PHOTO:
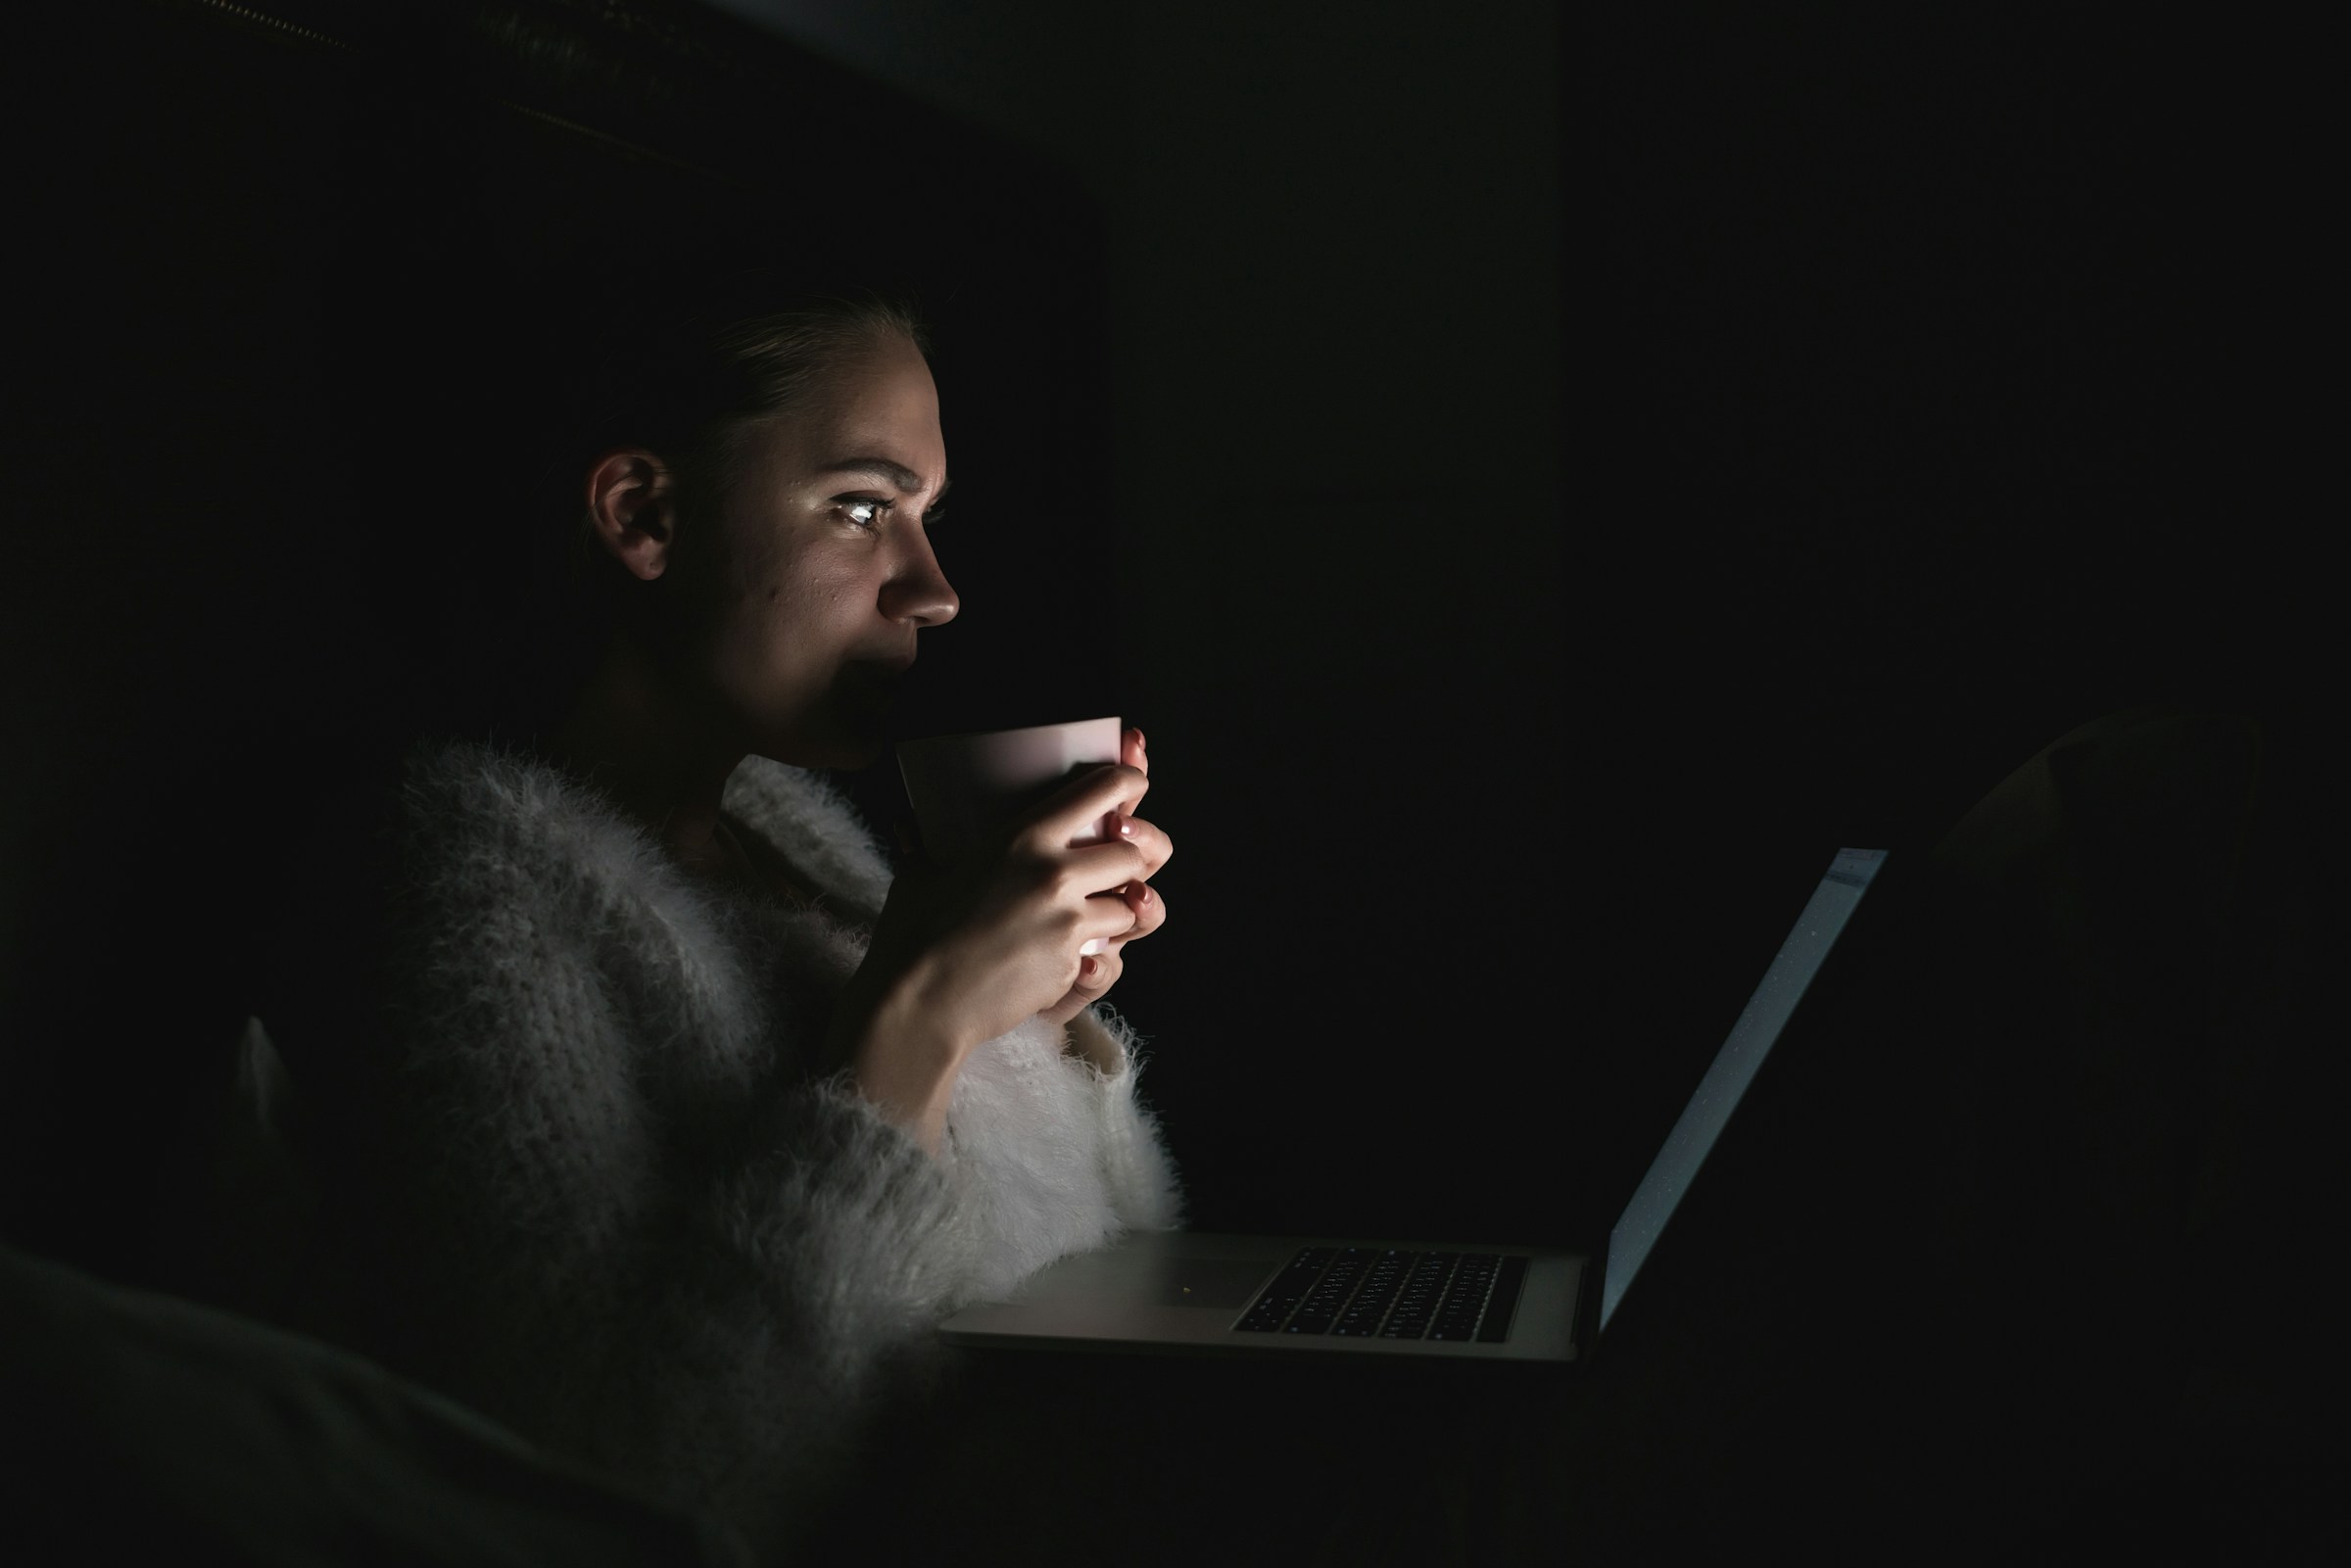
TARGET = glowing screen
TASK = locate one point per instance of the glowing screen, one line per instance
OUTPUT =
(1734, 1067)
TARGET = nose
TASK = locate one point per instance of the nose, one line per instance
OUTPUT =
(918, 592)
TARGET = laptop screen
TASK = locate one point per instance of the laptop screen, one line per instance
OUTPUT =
(1734, 1067)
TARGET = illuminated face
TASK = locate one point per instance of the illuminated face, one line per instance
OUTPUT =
(821, 573)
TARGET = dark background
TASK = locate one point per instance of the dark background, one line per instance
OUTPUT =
(1543, 478)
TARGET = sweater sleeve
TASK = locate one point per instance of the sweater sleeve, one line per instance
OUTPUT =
(586, 1190)
(1050, 1155)
(1144, 1190)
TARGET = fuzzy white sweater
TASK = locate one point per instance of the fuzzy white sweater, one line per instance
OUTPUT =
(576, 1163)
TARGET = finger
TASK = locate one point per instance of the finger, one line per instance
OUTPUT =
(1136, 776)
(1156, 847)
(1097, 872)
(1113, 916)
(1131, 753)
(1097, 974)
(1149, 909)
(1147, 912)
(1132, 919)
(1077, 808)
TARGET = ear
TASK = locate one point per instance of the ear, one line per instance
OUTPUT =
(632, 509)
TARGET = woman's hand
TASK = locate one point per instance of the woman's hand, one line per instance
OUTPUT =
(1100, 971)
(964, 953)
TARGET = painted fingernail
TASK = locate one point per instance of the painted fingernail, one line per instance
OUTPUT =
(1089, 967)
(1125, 827)
(1148, 894)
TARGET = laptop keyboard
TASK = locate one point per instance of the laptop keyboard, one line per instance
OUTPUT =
(1390, 1294)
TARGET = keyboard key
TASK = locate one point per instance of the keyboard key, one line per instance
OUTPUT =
(1391, 1292)
(1288, 1290)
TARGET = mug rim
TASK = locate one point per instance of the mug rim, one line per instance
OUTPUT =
(1026, 729)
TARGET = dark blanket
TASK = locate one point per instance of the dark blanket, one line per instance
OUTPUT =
(138, 1427)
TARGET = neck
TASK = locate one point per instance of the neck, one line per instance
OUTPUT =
(631, 734)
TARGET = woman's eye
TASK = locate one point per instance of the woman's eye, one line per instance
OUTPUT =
(865, 511)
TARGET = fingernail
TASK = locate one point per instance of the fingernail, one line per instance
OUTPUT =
(1125, 827)
(1088, 969)
(1148, 894)
(1139, 745)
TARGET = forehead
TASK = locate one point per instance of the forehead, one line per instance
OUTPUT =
(882, 402)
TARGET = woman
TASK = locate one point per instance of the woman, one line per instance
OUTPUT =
(658, 1118)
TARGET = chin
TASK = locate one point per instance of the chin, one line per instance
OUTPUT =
(850, 755)
(851, 746)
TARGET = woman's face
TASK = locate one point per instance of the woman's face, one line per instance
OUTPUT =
(820, 573)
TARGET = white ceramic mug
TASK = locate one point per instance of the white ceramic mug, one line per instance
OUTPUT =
(963, 786)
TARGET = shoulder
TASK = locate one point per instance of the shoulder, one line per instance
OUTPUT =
(467, 785)
(485, 812)
(413, 867)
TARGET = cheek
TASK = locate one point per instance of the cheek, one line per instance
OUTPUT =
(791, 621)
(801, 604)
(761, 582)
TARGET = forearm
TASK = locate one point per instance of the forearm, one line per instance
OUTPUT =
(900, 1057)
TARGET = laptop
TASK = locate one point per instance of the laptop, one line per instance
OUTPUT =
(1194, 1293)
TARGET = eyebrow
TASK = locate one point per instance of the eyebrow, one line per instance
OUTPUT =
(897, 473)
